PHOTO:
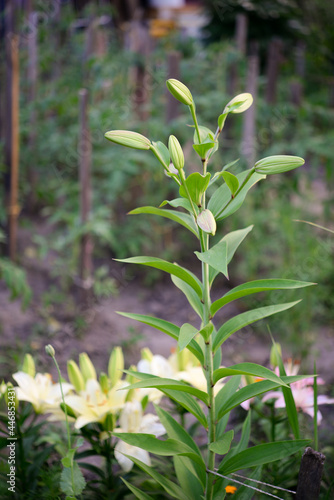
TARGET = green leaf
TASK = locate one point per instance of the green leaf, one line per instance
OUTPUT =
(219, 174)
(261, 454)
(191, 295)
(244, 493)
(216, 257)
(222, 446)
(172, 488)
(187, 333)
(231, 181)
(68, 487)
(165, 327)
(222, 205)
(166, 383)
(246, 369)
(176, 203)
(225, 393)
(251, 391)
(234, 324)
(184, 219)
(205, 134)
(168, 267)
(188, 403)
(176, 431)
(197, 185)
(138, 494)
(161, 152)
(233, 240)
(256, 287)
(203, 148)
(184, 399)
(290, 404)
(188, 478)
(167, 448)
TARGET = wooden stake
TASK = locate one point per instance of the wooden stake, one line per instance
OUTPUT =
(173, 71)
(310, 473)
(12, 138)
(85, 153)
(32, 79)
(248, 143)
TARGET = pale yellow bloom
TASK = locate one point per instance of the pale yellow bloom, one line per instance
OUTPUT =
(133, 420)
(93, 405)
(40, 391)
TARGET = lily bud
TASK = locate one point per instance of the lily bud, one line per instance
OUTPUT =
(147, 354)
(278, 164)
(129, 139)
(86, 367)
(239, 103)
(29, 365)
(116, 365)
(75, 376)
(50, 350)
(104, 382)
(206, 222)
(275, 354)
(176, 152)
(180, 91)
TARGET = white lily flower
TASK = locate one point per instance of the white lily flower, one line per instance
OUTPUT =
(133, 420)
(93, 405)
(40, 391)
(158, 366)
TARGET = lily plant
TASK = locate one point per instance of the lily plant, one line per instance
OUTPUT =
(205, 199)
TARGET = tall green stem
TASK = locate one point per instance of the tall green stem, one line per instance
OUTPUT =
(208, 367)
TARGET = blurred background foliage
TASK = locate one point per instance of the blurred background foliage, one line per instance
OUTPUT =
(122, 180)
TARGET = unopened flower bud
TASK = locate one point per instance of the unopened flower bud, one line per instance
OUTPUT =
(116, 365)
(239, 103)
(275, 354)
(206, 222)
(75, 376)
(180, 91)
(50, 350)
(278, 164)
(147, 354)
(128, 138)
(86, 367)
(29, 365)
(176, 152)
(104, 382)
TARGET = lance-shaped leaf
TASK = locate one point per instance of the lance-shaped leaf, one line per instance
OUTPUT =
(176, 203)
(129, 139)
(220, 174)
(185, 475)
(184, 399)
(216, 257)
(222, 204)
(161, 152)
(172, 489)
(233, 240)
(187, 333)
(166, 383)
(222, 446)
(234, 324)
(225, 393)
(203, 148)
(231, 181)
(246, 369)
(184, 219)
(206, 221)
(256, 287)
(191, 295)
(138, 493)
(252, 390)
(261, 454)
(165, 327)
(168, 267)
(197, 185)
(166, 448)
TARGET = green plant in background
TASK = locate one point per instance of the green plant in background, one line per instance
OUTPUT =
(203, 206)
